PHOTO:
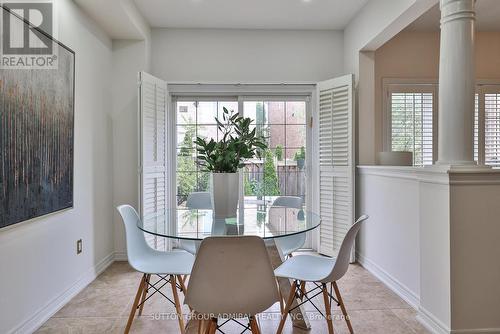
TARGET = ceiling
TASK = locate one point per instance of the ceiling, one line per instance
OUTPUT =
(487, 17)
(112, 16)
(250, 14)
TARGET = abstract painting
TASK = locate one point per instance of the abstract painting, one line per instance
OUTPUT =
(36, 139)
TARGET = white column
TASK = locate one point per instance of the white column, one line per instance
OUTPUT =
(456, 83)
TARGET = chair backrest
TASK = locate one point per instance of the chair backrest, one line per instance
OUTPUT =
(199, 200)
(232, 276)
(293, 242)
(288, 202)
(344, 256)
(137, 246)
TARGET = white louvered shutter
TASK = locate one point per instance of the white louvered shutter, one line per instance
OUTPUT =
(412, 122)
(492, 128)
(153, 97)
(336, 161)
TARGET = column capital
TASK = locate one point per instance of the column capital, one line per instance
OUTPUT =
(456, 10)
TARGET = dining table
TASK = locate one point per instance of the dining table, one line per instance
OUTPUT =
(186, 228)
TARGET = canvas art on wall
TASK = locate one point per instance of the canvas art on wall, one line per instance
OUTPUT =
(36, 139)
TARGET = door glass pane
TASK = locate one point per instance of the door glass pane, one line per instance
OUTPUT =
(207, 111)
(186, 112)
(195, 119)
(275, 112)
(281, 171)
(295, 112)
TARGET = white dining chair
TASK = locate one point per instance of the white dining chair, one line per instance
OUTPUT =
(201, 200)
(320, 271)
(167, 266)
(232, 278)
(288, 245)
(196, 201)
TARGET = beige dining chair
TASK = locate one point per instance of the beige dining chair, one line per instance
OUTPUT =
(232, 277)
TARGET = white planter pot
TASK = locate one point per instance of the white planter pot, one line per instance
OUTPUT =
(395, 158)
(225, 193)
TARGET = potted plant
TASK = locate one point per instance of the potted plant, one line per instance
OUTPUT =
(225, 157)
(300, 157)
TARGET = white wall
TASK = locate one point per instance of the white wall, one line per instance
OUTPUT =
(389, 244)
(475, 250)
(401, 57)
(38, 261)
(247, 56)
(187, 55)
(376, 23)
(129, 57)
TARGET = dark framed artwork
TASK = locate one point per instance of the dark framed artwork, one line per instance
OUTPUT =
(37, 138)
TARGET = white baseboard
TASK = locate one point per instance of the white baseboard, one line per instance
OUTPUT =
(476, 331)
(431, 323)
(397, 287)
(121, 256)
(424, 317)
(47, 311)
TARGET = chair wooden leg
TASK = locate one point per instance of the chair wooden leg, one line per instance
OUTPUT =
(328, 309)
(208, 326)
(201, 326)
(144, 293)
(212, 327)
(177, 304)
(342, 307)
(183, 287)
(282, 304)
(288, 306)
(302, 290)
(254, 326)
(182, 284)
(142, 286)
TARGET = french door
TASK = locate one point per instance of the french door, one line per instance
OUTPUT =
(297, 142)
(282, 169)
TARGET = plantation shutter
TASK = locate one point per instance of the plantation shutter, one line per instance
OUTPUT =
(412, 122)
(492, 129)
(153, 97)
(336, 161)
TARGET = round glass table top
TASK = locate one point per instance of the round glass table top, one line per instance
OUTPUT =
(265, 222)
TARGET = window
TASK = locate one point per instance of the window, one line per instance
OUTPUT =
(411, 113)
(476, 128)
(488, 113)
(492, 129)
(282, 169)
(411, 122)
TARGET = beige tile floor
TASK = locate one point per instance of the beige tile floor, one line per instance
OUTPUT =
(103, 307)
